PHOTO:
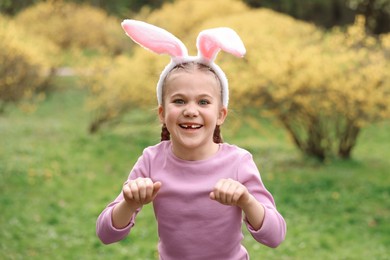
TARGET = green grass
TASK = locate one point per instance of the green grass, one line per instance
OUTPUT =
(55, 179)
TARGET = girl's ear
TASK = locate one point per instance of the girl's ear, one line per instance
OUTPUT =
(222, 115)
(161, 114)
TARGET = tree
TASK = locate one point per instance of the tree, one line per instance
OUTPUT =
(136, 77)
(26, 65)
(11, 7)
(80, 26)
(322, 86)
(120, 8)
(335, 12)
(376, 13)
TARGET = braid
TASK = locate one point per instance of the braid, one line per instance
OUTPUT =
(217, 135)
(165, 135)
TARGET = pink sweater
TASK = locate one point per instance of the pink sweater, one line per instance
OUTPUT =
(190, 224)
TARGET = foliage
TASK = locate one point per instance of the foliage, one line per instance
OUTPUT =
(322, 12)
(376, 13)
(333, 13)
(65, 177)
(123, 8)
(123, 83)
(117, 7)
(189, 15)
(119, 85)
(25, 65)
(74, 26)
(323, 87)
(11, 7)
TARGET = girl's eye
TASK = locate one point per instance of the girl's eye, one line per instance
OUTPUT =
(178, 101)
(204, 102)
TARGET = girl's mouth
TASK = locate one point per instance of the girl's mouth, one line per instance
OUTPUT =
(190, 126)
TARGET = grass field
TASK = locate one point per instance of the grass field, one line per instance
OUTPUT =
(55, 179)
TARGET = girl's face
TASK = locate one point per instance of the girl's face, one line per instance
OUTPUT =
(191, 110)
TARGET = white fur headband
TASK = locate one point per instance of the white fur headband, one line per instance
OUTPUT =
(209, 43)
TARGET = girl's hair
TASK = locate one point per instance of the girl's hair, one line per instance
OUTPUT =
(188, 67)
(191, 66)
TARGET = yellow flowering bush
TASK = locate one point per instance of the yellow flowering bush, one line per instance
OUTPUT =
(385, 40)
(119, 84)
(183, 16)
(25, 64)
(323, 86)
(71, 25)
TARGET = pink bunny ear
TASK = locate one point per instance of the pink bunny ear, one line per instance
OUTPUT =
(211, 41)
(154, 38)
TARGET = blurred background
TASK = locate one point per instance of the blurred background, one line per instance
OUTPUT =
(310, 101)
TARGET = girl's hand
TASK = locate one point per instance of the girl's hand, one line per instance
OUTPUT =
(231, 192)
(140, 191)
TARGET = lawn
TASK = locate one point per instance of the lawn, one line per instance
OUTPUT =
(55, 178)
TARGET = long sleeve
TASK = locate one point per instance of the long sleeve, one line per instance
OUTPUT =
(273, 230)
(189, 224)
(105, 230)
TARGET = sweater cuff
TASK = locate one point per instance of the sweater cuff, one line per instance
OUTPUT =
(260, 230)
(124, 229)
(272, 232)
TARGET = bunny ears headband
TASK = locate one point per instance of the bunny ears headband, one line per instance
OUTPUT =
(209, 43)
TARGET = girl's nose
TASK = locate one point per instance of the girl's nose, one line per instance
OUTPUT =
(190, 111)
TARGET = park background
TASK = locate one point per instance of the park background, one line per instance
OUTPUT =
(310, 101)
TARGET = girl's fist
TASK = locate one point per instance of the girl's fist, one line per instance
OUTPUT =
(140, 191)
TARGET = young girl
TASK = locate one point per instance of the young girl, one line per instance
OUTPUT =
(199, 185)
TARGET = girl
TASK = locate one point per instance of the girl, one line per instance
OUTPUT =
(199, 185)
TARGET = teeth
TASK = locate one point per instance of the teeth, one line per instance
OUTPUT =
(191, 126)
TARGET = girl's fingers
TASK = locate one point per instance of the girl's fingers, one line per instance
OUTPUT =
(224, 194)
(156, 188)
(135, 191)
(141, 190)
(227, 192)
(239, 191)
(212, 195)
(127, 192)
(218, 190)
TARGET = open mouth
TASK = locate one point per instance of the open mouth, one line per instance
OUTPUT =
(190, 126)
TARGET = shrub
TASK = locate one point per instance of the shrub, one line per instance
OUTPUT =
(123, 83)
(120, 84)
(189, 14)
(25, 68)
(74, 26)
(322, 86)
